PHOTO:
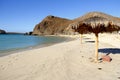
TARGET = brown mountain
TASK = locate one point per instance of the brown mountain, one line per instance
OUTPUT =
(2, 31)
(52, 25)
(99, 14)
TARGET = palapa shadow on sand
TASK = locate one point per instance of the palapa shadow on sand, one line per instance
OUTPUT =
(86, 38)
(90, 41)
(110, 50)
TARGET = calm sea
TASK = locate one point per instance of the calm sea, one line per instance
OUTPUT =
(10, 42)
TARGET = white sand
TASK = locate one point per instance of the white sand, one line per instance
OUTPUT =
(63, 61)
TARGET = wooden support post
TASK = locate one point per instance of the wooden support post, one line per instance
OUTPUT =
(96, 48)
(80, 38)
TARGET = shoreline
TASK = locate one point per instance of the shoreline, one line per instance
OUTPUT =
(68, 60)
(12, 51)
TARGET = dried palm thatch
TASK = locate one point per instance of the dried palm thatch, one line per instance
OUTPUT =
(96, 22)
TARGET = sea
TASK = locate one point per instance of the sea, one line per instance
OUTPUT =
(13, 42)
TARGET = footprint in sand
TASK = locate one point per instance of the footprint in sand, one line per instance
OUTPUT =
(118, 77)
(2, 67)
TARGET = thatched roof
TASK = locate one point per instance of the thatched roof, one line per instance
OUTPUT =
(99, 14)
(96, 22)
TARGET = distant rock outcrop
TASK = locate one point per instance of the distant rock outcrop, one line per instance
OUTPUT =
(28, 33)
(2, 32)
(52, 25)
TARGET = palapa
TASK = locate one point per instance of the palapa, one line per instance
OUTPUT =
(96, 22)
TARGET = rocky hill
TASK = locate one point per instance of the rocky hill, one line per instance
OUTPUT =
(100, 14)
(2, 31)
(52, 25)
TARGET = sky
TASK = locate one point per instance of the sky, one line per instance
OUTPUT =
(23, 15)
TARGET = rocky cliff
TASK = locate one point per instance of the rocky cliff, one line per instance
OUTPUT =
(2, 31)
(52, 25)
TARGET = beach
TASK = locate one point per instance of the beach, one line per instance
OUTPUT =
(69, 60)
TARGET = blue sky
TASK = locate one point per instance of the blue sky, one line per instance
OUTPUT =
(23, 15)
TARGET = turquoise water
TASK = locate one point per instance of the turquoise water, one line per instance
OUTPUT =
(18, 41)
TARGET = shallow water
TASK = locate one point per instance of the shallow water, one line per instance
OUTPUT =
(10, 42)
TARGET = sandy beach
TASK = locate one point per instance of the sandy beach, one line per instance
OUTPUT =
(65, 61)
